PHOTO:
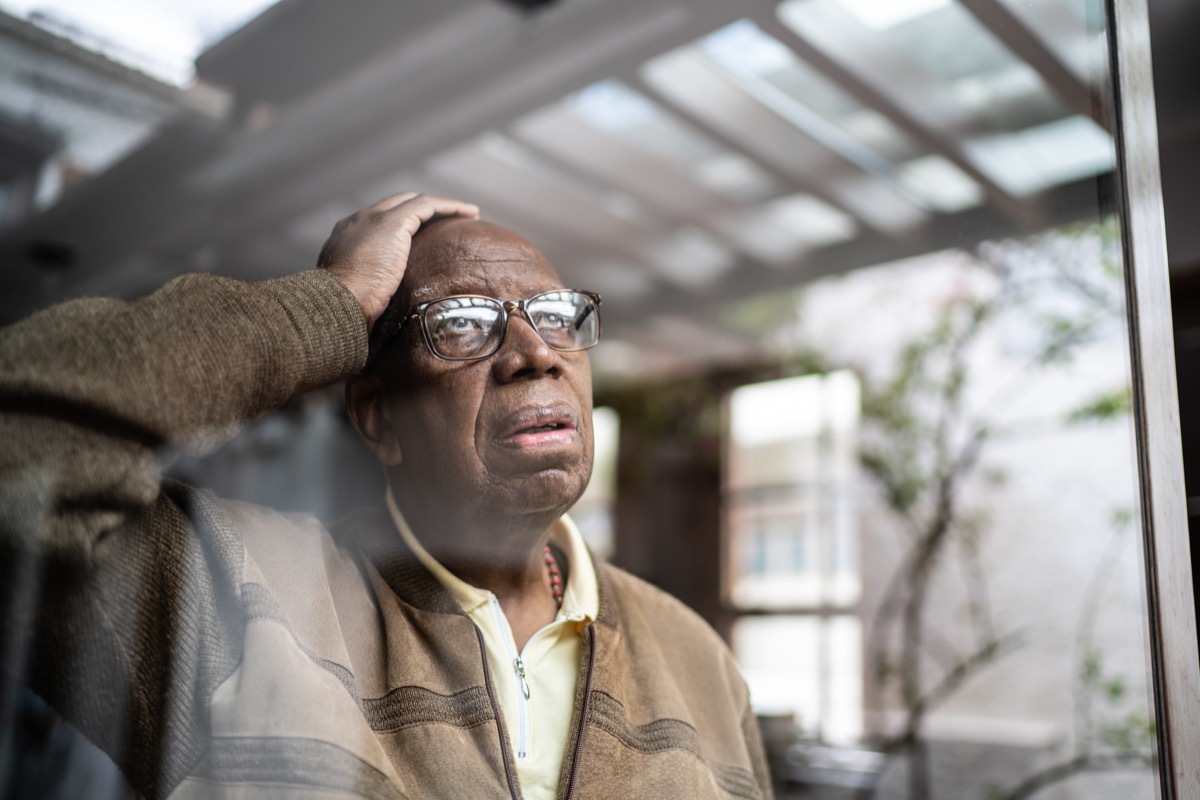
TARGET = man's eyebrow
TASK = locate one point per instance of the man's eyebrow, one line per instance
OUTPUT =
(422, 292)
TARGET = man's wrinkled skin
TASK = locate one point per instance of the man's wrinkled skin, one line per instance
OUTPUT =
(480, 500)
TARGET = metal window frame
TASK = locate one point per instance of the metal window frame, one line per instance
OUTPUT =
(1170, 590)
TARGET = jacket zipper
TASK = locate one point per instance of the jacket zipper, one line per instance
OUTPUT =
(522, 685)
(583, 712)
(510, 770)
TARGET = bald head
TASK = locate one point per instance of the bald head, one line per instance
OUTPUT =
(456, 255)
(450, 252)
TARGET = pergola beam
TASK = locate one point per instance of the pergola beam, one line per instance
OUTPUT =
(790, 182)
(881, 103)
(1026, 45)
(1064, 205)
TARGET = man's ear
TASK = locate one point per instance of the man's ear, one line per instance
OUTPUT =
(366, 405)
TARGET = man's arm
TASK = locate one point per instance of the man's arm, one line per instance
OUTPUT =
(118, 593)
(93, 391)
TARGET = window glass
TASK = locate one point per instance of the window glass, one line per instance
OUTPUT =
(942, 540)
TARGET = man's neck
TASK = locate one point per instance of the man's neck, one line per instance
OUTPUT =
(502, 554)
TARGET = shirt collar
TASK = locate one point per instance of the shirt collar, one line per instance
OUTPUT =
(581, 597)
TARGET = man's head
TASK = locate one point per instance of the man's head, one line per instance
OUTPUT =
(510, 433)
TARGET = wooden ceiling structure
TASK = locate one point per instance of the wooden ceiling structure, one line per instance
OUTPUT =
(675, 156)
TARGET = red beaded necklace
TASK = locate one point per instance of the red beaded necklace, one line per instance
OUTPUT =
(556, 585)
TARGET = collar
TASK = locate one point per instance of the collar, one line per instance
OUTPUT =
(581, 597)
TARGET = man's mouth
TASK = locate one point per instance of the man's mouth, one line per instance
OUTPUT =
(536, 427)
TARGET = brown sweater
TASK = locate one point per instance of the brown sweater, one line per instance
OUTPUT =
(219, 649)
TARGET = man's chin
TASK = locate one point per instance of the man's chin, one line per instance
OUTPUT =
(566, 456)
(542, 482)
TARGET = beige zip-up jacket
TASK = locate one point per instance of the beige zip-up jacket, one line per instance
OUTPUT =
(219, 649)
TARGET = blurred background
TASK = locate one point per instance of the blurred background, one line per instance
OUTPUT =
(864, 387)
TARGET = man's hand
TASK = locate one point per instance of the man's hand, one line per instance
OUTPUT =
(368, 250)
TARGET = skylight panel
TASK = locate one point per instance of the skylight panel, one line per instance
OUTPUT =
(782, 230)
(690, 256)
(612, 107)
(955, 76)
(813, 102)
(942, 185)
(816, 223)
(735, 176)
(1038, 158)
(881, 14)
(632, 117)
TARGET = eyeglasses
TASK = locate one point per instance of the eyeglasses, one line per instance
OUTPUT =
(466, 327)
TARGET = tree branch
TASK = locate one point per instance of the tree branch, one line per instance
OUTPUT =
(964, 669)
(979, 604)
(947, 686)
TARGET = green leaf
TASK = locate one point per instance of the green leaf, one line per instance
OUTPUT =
(995, 476)
(1121, 517)
(1091, 668)
(1106, 406)
(1133, 733)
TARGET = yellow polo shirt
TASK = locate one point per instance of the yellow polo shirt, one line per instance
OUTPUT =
(538, 720)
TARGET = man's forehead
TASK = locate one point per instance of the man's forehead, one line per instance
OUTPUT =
(463, 256)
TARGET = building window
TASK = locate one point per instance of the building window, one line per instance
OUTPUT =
(791, 566)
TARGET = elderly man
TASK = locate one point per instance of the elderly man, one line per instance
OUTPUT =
(456, 642)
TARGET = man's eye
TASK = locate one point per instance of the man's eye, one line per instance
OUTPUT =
(551, 320)
(457, 325)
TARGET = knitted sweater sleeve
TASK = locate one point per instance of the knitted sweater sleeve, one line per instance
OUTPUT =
(93, 392)
(117, 589)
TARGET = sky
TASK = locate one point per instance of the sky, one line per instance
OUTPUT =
(160, 38)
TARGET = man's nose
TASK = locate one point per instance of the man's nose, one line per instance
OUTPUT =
(524, 354)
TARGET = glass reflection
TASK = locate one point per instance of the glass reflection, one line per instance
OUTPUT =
(964, 499)
(929, 550)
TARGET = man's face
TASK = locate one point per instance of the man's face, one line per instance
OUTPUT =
(511, 432)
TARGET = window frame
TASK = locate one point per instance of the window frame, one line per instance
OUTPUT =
(1169, 580)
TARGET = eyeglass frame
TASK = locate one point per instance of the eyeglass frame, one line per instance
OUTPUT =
(507, 307)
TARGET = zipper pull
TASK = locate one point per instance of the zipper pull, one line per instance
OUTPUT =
(519, 667)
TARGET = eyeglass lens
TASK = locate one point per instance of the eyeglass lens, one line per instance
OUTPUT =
(472, 327)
